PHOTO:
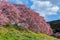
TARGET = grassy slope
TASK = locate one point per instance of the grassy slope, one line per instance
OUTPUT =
(11, 33)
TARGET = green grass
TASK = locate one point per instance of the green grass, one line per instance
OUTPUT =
(13, 32)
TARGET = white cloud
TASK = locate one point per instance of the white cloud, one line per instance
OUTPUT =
(55, 8)
(44, 7)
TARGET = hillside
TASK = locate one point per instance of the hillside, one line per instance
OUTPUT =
(12, 32)
(55, 25)
(17, 22)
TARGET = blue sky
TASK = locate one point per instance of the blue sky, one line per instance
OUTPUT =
(49, 9)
